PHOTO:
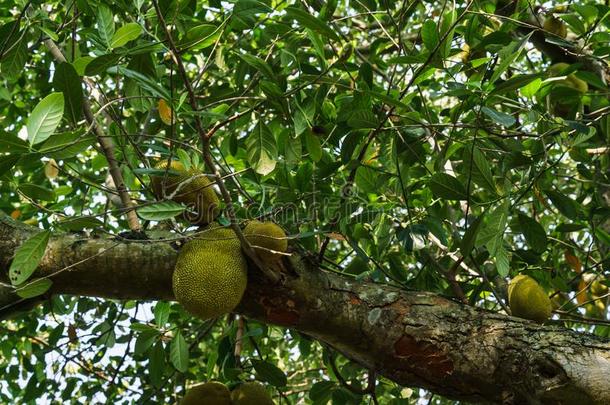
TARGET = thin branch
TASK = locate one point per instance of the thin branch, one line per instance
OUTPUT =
(207, 156)
(107, 146)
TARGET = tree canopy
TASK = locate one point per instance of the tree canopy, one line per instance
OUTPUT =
(418, 154)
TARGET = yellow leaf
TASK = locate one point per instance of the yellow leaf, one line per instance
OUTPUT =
(581, 294)
(165, 112)
(573, 261)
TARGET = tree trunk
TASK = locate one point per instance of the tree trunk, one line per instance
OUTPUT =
(413, 338)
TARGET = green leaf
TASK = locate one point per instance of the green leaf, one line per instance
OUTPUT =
(502, 262)
(144, 341)
(568, 207)
(508, 54)
(366, 179)
(7, 162)
(12, 144)
(313, 23)
(105, 24)
(470, 236)
(68, 82)
(146, 82)
(36, 192)
(514, 83)
(448, 187)
(531, 89)
(499, 117)
(141, 327)
(244, 13)
(201, 37)
(80, 223)
(492, 233)
(481, 171)
(161, 312)
(156, 364)
(45, 118)
(534, 232)
(13, 61)
(126, 33)
(27, 257)
(160, 211)
(66, 144)
(80, 64)
(312, 143)
(566, 228)
(363, 119)
(261, 149)
(34, 288)
(447, 30)
(258, 64)
(268, 372)
(321, 391)
(179, 353)
(429, 34)
(100, 64)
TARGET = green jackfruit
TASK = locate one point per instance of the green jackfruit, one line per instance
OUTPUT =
(210, 276)
(528, 300)
(251, 393)
(210, 393)
(196, 193)
(264, 237)
(555, 26)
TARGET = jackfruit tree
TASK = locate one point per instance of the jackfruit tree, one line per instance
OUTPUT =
(304, 202)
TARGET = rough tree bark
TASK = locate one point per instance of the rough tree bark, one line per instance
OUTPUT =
(413, 338)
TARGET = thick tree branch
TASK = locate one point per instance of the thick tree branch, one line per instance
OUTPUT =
(413, 338)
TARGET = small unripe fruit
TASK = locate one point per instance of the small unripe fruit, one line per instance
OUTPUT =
(266, 238)
(195, 191)
(528, 300)
(556, 26)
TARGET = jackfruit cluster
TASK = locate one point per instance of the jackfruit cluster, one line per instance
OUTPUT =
(210, 276)
(267, 239)
(528, 300)
(190, 187)
(216, 393)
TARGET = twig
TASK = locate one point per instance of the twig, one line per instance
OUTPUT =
(107, 148)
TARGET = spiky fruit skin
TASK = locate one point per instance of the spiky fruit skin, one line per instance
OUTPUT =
(210, 276)
(251, 393)
(528, 300)
(197, 194)
(555, 26)
(210, 393)
(266, 236)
